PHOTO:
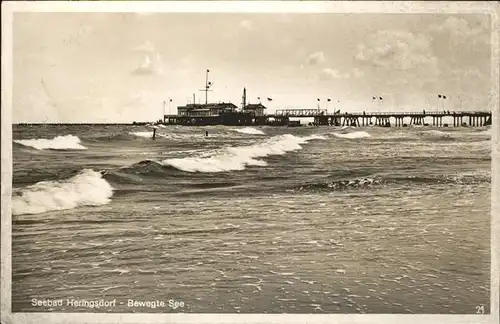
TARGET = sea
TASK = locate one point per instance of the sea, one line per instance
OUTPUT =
(251, 219)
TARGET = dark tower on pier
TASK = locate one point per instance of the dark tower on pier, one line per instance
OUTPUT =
(244, 99)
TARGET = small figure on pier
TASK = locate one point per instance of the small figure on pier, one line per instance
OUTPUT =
(206, 133)
(154, 133)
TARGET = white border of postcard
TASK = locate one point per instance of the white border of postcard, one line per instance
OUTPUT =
(8, 8)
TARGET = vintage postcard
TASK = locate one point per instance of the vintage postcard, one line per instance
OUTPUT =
(250, 162)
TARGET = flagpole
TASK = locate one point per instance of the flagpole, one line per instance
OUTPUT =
(206, 87)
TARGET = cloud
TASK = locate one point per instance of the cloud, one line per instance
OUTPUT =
(460, 30)
(316, 58)
(150, 66)
(393, 59)
(152, 63)
(357, 73)
(397, 50)
(246, 24)
(329, 74)
(147, 47)
(334, 74)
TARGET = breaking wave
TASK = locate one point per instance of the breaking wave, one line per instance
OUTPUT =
(237, 158)
(66, 142)
(87, 188)
(338, 185)
(352, 135)
(249, 130)
(142, 134)
(136, 172)
(367, 182)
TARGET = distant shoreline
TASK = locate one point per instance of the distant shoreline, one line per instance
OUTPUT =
(89, 124)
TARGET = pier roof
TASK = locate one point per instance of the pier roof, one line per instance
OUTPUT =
(210, 105)
(254, 106)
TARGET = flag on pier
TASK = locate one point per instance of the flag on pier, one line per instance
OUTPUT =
(329, 99)
(380, 98)
(270, 99)
(444, 97)
(170, 100)
(439, 96)
(337, 112)
(374, 98)
(318, 99)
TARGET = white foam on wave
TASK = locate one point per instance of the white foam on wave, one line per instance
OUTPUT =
(142, 134)
(249, 130)
(65, 142)
(87, 188)
(352, 135)
(237, 158)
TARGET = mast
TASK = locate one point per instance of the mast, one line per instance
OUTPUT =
(208, 84)
(206, 87)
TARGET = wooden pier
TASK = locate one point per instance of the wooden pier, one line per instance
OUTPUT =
(323, 118)
(399, 119)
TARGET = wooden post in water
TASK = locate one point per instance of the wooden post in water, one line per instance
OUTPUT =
(154, 133)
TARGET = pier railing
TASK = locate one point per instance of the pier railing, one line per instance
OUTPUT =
(413, 113)
(301, 112)
(324, 112)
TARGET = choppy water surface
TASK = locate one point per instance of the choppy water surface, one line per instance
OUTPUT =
(253, 220)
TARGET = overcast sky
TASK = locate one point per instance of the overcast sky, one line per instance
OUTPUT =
(107, 67)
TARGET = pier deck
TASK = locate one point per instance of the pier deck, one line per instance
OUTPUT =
(321, 117)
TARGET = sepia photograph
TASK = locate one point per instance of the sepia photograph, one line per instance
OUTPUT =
(274, 161)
